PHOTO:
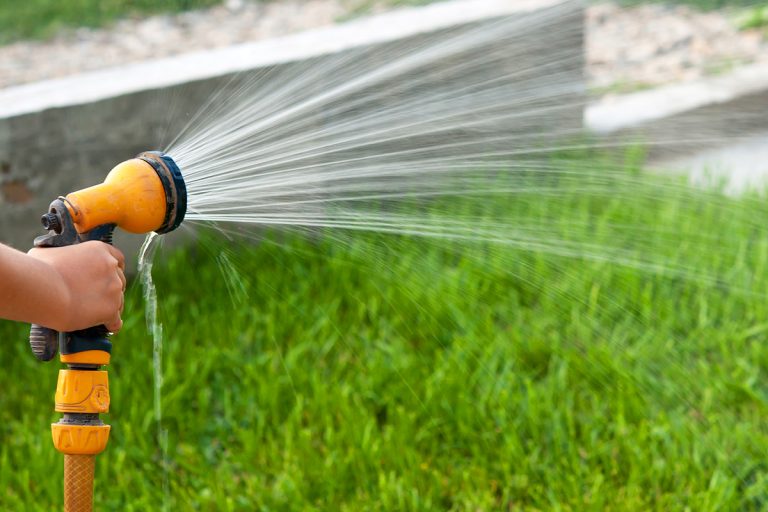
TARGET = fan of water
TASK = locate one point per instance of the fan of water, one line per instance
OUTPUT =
(345, 141)
(416, 137)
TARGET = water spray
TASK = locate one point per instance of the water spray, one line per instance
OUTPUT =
(144, 194)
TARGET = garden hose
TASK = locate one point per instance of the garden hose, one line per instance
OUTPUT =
(140, 195)
(78, 482)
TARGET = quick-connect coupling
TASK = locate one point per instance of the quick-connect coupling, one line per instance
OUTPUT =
(81, 394)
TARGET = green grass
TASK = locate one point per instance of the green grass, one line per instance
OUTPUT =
(755, 18)
(44, 18)
(384, 373)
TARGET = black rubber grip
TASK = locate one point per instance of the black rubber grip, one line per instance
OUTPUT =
(44, 342)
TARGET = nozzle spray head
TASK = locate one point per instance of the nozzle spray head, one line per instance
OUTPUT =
(144, 194)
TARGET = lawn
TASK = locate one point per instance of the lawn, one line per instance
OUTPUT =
(356, 372)
(43, 18)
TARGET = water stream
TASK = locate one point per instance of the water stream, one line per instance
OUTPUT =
(155, 329)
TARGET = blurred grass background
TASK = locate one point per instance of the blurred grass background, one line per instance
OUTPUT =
(377, 373)
(39, 19)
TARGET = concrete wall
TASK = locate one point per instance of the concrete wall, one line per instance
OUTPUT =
(684, 119)
(62, 135)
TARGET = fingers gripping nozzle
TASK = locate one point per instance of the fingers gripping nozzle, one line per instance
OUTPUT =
(62, 232)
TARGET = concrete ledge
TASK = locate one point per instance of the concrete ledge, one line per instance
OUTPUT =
(631, 110)
(163, 73)
(682, 119)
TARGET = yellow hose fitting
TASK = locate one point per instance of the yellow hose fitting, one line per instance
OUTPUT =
(97, 357)
(81, 394)
(80, 439)
(82, 391)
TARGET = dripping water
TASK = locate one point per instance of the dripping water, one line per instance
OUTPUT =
(155, 329)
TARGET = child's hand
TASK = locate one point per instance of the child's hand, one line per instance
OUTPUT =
(90, 291)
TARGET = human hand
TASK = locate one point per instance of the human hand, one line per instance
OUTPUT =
(90, 291)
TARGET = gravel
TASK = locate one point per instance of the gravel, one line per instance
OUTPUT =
(650, 45)
(132, 40)
(627, 47)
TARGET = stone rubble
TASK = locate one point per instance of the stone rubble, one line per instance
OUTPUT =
(627, 48)
(131, 40)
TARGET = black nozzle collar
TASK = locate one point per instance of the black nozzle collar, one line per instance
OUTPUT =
(173, 185)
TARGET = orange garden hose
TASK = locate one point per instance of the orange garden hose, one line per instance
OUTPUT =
(78, 483)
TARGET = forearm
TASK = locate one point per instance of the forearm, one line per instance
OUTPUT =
(30, 290)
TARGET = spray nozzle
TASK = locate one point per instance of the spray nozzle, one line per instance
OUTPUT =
(144, 194)
(173, 185)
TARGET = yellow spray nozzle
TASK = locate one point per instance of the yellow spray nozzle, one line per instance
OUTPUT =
(144, 194)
